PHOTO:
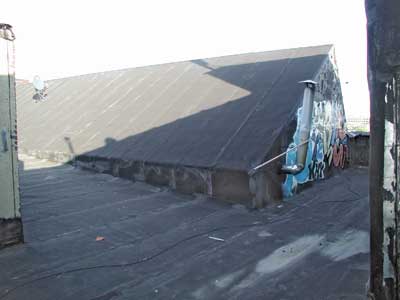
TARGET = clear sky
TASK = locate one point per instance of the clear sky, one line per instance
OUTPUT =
(63, 38)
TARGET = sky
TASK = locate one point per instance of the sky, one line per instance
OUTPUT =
(64, 38)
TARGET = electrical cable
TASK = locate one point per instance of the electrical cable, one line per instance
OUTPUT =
(136, 262)
(164, 250)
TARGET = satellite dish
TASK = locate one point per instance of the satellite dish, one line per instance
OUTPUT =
(40, 89)
(38, 83)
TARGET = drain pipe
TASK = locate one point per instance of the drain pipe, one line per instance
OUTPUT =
(304, 129)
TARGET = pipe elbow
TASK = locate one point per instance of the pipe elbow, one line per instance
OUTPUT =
(293, 170)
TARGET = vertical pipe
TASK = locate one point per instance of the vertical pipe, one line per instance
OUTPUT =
(305, 125)
(304, 129)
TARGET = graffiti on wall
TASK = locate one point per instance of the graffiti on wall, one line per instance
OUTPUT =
(327, 145)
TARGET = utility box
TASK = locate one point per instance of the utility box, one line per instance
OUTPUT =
(10, 217)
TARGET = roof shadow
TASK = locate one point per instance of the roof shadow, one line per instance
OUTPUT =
(235, 112)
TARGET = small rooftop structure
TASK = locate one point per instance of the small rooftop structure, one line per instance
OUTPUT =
(196, 126)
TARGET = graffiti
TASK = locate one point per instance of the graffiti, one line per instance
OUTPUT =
(316, 170)
(327, 145)
(317, 164)
(339, 149)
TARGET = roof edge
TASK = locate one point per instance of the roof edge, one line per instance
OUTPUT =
(194, 59)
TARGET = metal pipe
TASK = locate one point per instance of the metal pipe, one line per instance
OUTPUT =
(304, 129)
(255, 169)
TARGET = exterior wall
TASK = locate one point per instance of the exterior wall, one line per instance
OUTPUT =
(265, 185)
(230, 185)
(10, 218)
(328, 145)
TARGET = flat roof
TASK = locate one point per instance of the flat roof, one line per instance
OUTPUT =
(153, 243)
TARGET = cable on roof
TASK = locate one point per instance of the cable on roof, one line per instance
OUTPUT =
(159, 253)
(142, 260)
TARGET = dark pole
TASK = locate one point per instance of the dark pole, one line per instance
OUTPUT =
(376, 165)
(383, 25)
(375, 162)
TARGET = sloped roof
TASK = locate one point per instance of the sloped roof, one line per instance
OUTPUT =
(219, 112)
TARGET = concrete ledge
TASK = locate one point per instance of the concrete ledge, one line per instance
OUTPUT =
(10, 232)
(224, 184)
(48, 155)
(227, 185)
(192, 180)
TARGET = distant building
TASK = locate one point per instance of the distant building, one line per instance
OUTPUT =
(198, 126)
(21, 81)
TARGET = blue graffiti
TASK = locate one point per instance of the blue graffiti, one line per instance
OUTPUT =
(326, 130)
(314, 161)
